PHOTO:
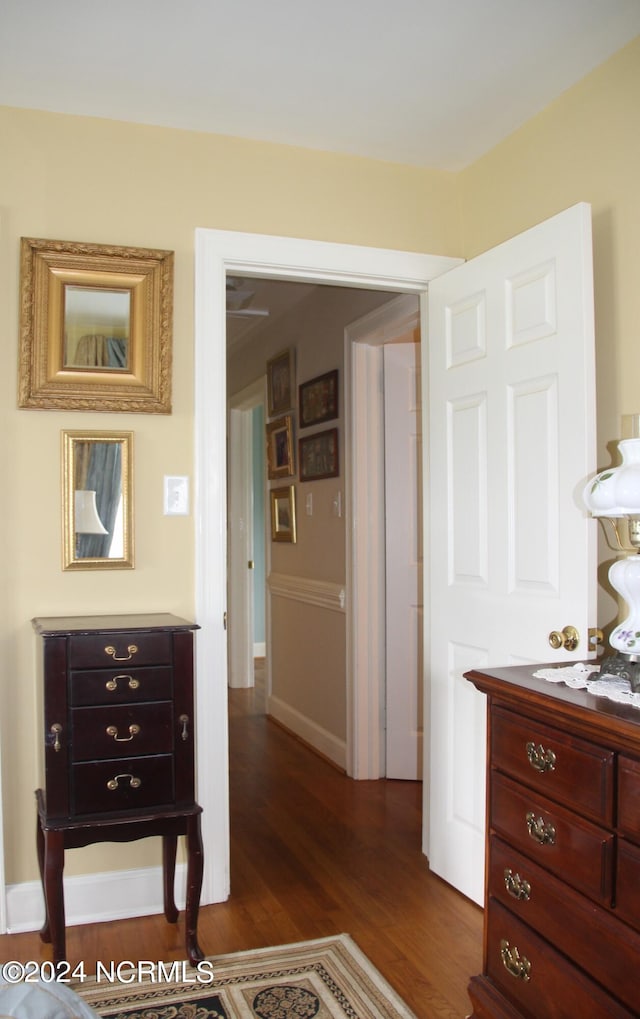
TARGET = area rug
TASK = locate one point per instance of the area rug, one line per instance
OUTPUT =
(329, 978)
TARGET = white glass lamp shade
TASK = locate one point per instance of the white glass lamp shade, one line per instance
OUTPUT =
(86, 518)
(616, 491)
(625, 579)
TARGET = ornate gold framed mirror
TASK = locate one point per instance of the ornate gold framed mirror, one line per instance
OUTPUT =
(97, 500)
(96, 325)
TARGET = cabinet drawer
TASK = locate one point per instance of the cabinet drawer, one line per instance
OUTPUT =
(132, 783)
(570, 921)
(628, 883)
(575, 772)
(553, 987)
(100, 650)
(566, 844)
(629, 796)
(113, 686)
(122, 731)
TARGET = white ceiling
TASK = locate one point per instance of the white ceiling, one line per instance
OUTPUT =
(426, 82)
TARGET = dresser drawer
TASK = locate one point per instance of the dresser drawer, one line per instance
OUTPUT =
(628, 883)
(122, 731)
(567, 919)
(575, 772)
(629, 796)
(124, 649)
(114, 686)
(122, 784)
(539, 980)
(568, 845)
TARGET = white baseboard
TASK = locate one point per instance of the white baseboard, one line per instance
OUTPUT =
(259, 650)
(94, 898)
(321, 740)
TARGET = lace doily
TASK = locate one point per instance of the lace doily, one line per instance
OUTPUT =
(577, 677)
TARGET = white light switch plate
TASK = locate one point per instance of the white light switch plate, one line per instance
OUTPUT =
(176, 496)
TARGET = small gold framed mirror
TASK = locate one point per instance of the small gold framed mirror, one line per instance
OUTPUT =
(97, 500)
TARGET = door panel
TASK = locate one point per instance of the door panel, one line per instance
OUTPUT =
(512, 439)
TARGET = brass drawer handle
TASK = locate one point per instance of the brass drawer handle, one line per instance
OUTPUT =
(540, 759)
(55, 731)
(112, 684)
(112, 730)
(134, 782)
(541, 831)
(517, 887)
(110, 650)
(515, 965)
(184, 721)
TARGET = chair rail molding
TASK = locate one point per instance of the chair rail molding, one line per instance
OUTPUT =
(322, 593)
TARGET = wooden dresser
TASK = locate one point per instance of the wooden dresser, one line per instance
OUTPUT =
(562, 916)
(117, 725)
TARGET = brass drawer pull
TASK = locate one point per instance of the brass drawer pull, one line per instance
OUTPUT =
(540, 830)
(132, 649)
(134, 782)
(112, 730)
(184, 721)
(540, 759)
(516, 966)
(112, 684)
(55, 731)
(516, 886)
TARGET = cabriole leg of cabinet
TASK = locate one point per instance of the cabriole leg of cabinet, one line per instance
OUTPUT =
(53, 865)
(195, 866)
(169, 848)
(45, 933)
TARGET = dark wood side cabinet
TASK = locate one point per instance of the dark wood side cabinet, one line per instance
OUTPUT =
(117, 741)
(562, 906)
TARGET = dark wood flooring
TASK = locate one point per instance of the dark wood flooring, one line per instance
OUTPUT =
(313, 853)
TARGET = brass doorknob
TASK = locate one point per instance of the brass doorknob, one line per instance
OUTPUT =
(568, 638)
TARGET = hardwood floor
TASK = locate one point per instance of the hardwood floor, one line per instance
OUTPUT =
(313, 853)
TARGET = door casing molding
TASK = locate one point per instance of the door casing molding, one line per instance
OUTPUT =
(365, 474)
(240, 460)
(217, 253)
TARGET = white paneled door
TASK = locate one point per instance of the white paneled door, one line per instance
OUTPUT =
(512, 441)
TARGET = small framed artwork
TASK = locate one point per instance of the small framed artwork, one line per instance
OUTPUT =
(319, 455)
(318, 399)
(96, 326)
(283, 514)
(280, 458)
(280, 383)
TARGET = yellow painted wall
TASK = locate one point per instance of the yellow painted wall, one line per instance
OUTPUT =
(585, 147)
(75, 178)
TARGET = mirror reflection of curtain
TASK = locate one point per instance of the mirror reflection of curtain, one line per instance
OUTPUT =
(98, 351)
(99, 468)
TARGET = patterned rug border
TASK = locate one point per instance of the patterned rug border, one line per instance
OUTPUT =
(354, 985)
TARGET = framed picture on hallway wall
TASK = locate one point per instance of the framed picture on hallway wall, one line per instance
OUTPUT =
(280, 458)
(318, 399)
(280, 383)
(283, 514)
(318, 455)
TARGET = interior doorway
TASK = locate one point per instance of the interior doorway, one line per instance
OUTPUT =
(218, 253)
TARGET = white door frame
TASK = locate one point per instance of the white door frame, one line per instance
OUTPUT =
(241, 407)
(220, 252)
